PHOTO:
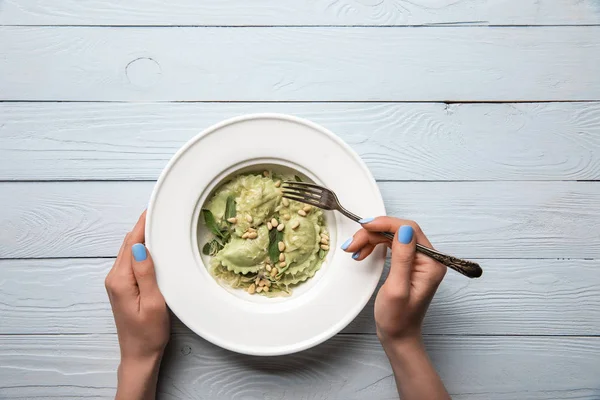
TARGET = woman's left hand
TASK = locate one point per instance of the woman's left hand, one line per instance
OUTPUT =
(141, 316)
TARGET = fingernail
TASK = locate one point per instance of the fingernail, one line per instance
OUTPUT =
(356, 255)
(405, 234)
(366, 220)
(139, 252)
(347, 244)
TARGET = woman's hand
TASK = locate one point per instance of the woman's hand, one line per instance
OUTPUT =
(402, 302)
(403, 299)
(141, 316)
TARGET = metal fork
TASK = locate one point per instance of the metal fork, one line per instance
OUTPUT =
(326, 199)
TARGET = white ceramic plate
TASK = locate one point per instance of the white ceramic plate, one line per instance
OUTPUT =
(233, 319)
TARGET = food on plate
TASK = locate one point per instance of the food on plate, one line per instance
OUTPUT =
(261, 242)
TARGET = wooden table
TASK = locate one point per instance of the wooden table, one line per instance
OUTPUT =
(480, 119)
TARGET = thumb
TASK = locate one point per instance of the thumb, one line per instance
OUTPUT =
(403, 256)
(143, 269)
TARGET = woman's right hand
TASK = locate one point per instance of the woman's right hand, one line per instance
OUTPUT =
(403, 299)
(402, 302)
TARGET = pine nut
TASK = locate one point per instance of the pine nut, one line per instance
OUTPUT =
(295, 224)
(251, 229)
(273, 272)
(265, 173)
(274, 222)
(307, 208)
(265, 288)
(268, 267)
(287, 217)
(285, 202)
(281, 256)
(280, 227)
(252, 289)
(256, 281)
(259, 289)
(269, 225)
(252, 235)
(302, 213)
(261, 282)
(232, 220)
(281, 246)
(324, 247)
(249, 218)
(245, 235)
(278, 183)
(267, 283)
(282, 264)
(324, 241)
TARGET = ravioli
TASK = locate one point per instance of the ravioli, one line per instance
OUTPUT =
(302, 243)
(243, 256)
(263, 243)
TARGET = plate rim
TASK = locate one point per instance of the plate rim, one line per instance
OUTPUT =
(351, 316)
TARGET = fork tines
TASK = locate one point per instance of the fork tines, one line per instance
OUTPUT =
(303, 192)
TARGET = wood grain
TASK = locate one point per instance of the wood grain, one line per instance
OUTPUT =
(398, 141)
(290, 12)
(467, 219)
(514, 297)
(300, 64)
(345, 368)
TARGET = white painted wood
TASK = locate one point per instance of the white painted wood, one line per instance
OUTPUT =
(277, 64)
(423, 141)
(290, 12)
(469, 219)
(514, 297)
(347, 367)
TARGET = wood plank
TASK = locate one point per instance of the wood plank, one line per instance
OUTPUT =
(398, 141)
(514, 297)
(290, 12)
(344, 368)
(469, 219)
(300, 64)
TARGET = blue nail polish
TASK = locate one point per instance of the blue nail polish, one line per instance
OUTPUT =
(405, 234)
(347, 244)
(356, 255)
(366, 220)
(139, 252)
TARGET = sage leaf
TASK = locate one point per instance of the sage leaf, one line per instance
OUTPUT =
(230, 210)
(212, 248)
(211, 223)
(275, 237)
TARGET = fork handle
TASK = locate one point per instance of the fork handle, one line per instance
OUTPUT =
(467, 268)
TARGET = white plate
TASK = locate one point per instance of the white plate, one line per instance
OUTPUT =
(319, 308)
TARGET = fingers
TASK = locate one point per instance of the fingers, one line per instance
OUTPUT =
(389, 224)
(120, 280)
(138, 233)
(143, 269)
(403, 256)
(364, 241)
(123, 246)
(363, 253)
(361, 239)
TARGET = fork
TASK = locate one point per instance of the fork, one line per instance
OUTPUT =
(326, 199)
